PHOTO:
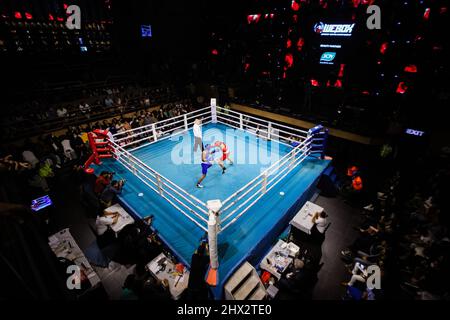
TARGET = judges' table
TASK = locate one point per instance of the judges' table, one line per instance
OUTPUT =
(303, 219)
(279, 258)
(163, 268)
(124, 217)
(64, 246)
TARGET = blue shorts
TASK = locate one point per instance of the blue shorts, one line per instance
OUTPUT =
(205, 167)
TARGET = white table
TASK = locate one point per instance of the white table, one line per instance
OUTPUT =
(64, 246)
(163, 268)
(124, 217)
(278, 259)
(303, 219)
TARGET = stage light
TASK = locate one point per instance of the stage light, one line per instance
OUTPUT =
(341, 70)
(50, 17)
(411, 68)
(288, 43)
(289, 59)
(383, 48)
(295, 6)
(214, 52)
(28, 16)
(426, 14)
(300, 44)
(401, 88)
(17, 15)
(314, 83)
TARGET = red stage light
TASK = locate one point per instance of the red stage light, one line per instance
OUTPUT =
(411, 68)
(289, 59)
(253, 18)
(341, 70)
(214, 52)
(65, 6)
(28, 16)
(288, 43)
(60, 19)
(365, 92)
(338, 83)
(300, 44)
(50, 17)
(17, 15)
(356, 3)
(314, 83)
(246, 66)
(426, 14)
(295, 6)
(401, 88)
(383, 47)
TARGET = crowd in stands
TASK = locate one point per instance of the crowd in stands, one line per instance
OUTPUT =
(405, 233)
(39, 115)
(39, 159)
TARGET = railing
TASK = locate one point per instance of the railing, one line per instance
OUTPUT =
(161, 130)
(261, 128)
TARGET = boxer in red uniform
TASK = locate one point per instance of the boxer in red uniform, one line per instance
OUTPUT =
(225, 151)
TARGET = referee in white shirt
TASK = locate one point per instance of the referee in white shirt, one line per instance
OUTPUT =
(198, 135)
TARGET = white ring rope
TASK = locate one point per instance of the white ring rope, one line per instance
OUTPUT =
(277, 165)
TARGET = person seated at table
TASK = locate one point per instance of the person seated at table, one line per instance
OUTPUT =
(103, 180)
(110, 192)
(103, 223)
(296, 277)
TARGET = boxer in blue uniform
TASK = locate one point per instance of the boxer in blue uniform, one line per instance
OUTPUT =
(207, 162)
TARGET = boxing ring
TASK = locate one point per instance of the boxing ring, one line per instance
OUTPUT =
(242, 211)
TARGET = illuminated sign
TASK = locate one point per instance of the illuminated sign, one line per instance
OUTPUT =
(334, 46)
(413, 132)
(146, 31)
(327, 57)
(341, 30)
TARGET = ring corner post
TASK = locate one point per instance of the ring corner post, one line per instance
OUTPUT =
(214, 207)
(213, 110)
(313, 133)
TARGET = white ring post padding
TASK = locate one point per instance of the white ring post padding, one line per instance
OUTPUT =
(213, 228)
(213, 114)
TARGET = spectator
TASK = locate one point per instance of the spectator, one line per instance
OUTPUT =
(61, 112)
(111, 192)
(109, 102)
(103, 180)
(28, 155)
(69, 152)
(103, 223)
